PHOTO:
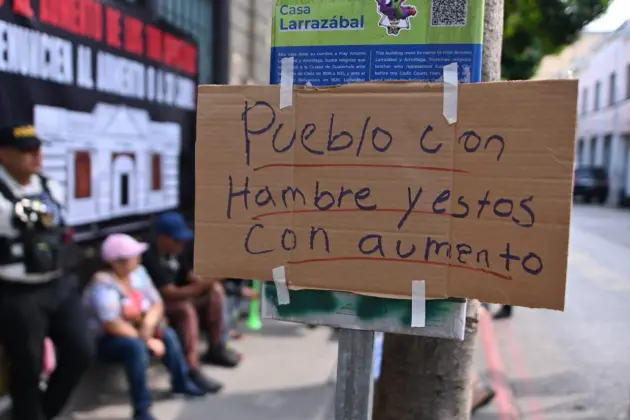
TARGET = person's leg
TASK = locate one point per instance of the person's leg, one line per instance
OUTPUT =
(23, 327)
(183, 318)
(482, 394)
(175, 362)
(229, 309)
(74, 348)
(133, 354)
(210, 310)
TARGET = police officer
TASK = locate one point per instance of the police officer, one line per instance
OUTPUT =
(37, 300)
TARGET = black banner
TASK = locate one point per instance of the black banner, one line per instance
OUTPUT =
(112, 94)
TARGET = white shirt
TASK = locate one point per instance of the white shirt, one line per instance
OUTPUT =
(16, 271)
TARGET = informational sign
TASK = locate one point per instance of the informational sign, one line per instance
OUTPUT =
(338, 42)
(366, 187)
(113, 96)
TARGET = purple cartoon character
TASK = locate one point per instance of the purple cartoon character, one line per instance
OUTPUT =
(395, 15)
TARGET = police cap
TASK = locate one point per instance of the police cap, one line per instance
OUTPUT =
(20, 137)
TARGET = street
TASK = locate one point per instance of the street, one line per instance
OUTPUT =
(571, 365)
(287, 373)
(544, 365)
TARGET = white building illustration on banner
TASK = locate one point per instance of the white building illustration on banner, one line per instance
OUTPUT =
(113, 162)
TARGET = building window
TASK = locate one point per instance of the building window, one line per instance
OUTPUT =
(593, 151)
(156, 170)
(598, 89)
(628, 82)
(82, 174)
(579, 158)
(584, 101)
(612, 89)
(607, 151)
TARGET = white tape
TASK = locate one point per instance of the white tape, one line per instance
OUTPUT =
(418, 304)
(451, 83)
(286, 82)
(279, 278)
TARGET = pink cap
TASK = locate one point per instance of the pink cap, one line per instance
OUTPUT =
(119, 246)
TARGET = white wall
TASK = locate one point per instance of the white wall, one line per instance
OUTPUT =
(611, 118)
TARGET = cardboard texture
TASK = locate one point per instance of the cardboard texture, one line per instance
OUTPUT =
(365, 187)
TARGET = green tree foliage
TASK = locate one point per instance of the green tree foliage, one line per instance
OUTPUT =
(535, 28)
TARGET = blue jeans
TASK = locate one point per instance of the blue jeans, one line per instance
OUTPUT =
(134, 355)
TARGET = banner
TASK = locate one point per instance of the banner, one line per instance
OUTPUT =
(112, 95)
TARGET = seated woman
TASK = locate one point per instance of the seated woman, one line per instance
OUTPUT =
(127, 316)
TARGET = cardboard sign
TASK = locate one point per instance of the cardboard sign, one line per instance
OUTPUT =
(366, 187)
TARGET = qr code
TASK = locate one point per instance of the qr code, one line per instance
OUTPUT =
(449, 13)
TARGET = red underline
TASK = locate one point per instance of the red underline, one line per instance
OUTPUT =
(357, 165)
(277, 213)
(400, 260)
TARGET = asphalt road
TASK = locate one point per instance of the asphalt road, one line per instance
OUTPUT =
(576, 365)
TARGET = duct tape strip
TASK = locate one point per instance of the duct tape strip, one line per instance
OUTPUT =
(451, 82)
(280, 280)
(286, 82)
(418, 304)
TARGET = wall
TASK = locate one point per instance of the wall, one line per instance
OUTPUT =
(604, 123)
(250, 41)
(552, 66)
(195, 18)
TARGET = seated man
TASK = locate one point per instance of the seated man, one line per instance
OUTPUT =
(191, 301)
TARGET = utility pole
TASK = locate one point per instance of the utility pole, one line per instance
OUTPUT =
(425, 378)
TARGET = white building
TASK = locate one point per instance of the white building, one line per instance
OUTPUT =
(603, 129)
(113, 162)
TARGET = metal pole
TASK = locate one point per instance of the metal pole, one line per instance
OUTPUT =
(355, 379)
(221, 42)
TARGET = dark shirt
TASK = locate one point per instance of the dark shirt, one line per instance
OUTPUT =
(165, 269)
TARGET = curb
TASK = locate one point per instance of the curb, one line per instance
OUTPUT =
(504, 399)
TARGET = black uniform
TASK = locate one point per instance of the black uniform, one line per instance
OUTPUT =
(37, 299)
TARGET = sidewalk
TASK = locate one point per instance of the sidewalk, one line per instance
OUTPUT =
(285, 375)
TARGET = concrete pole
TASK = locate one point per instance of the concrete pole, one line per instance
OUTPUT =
(426, 378)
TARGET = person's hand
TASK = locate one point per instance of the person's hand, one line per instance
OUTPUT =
(219, 289)
(249, 293)
(146, 331)
(204, 283)
(195, 278)
(156, 346)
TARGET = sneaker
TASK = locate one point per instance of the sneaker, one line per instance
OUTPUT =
(222, 356)
(189, 389)
(143, 415)
(205, 383)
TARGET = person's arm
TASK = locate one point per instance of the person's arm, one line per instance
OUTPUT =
(155, 313)
(6, 215)
(106, 304)
(58, 194)
(163, 280)
(172, 293)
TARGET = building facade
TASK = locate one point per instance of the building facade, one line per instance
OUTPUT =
(250, 41)
(603, 127)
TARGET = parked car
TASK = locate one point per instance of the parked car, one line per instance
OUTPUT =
(591, 183)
